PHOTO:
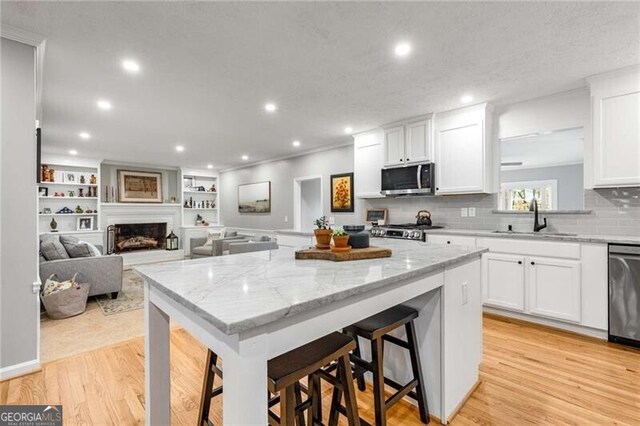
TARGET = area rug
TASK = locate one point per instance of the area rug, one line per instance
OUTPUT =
(130, 298)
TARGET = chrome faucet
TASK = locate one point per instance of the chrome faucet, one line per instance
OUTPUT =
(536, 223)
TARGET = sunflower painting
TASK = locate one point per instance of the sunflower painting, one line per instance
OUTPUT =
(342, 192)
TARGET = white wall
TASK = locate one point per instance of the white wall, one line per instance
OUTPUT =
(19, 306)
(281, 174)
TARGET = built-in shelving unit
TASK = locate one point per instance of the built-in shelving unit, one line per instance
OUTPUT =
(73, 183)
(199, 202)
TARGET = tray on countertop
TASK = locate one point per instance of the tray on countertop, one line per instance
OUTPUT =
(353, 254)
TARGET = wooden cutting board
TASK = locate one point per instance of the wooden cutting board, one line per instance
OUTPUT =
(354, 254)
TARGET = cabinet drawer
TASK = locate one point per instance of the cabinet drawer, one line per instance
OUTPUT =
(455, 240)
(531, 248)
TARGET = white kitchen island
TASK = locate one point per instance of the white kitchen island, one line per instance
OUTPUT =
(252, 307)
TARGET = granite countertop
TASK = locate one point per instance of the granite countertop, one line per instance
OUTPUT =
(239, 292)
(307, 233)
(542, 235)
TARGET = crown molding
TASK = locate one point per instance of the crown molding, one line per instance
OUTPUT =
(22, 36)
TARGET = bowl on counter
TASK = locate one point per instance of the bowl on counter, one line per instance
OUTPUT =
(358, 237)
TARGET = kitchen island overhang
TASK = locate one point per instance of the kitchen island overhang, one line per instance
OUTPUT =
(252, 307)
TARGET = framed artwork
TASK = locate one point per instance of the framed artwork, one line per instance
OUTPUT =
(69, 177)
(85, 223)
(342, 193)
(139, 187)
(254, 197)
(43, 192)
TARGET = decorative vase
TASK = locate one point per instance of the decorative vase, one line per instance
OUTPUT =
(323, 238)
(53, 225)
(341, 243)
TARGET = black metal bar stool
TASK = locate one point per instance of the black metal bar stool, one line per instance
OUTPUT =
(375, 329)
(286, 371)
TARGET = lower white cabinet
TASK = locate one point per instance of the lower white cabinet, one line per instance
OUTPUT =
(456, 240)
(503, 283)
(554, 288)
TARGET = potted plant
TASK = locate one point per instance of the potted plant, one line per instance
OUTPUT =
(340, 240)
(322, 233)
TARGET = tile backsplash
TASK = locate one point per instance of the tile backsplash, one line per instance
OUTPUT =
(615, 211)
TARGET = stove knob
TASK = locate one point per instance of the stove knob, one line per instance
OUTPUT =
(406, 234)
(415, 235)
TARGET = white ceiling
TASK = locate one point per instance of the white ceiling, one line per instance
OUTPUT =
(544, 150)
(209, 68)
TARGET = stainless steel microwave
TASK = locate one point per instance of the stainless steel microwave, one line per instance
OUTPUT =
(409, 180)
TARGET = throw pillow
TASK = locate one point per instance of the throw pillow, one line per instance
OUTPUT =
(52, 249)
(75, 247)
(52, 286)
(214, 235)
(231, 234)
(94, 249)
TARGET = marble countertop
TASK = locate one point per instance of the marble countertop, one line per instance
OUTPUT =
(542, 235)
(240, 292)
(304, 233)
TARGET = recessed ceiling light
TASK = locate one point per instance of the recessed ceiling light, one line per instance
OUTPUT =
(270, 107)
(245, 157)
(295, 143)
(130, 66)
(73, 152)
(209, 166)
(179, 148)
(466, 99)
(104, 104)
(403, 49)
(84, 135)
(348, 130)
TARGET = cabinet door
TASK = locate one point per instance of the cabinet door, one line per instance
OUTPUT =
(554, 288)
(418, 142)
(616, 137)
(394, 146)
(503, 281)
(367, 163)
(460, 159)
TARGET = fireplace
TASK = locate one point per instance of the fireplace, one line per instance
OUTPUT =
(137, 236)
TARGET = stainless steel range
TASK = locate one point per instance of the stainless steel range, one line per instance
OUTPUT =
(405, 231)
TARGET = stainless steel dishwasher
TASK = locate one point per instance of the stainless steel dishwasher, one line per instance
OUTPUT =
(624, 294)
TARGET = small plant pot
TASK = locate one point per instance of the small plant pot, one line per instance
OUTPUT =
(341, 243)
(323, 238)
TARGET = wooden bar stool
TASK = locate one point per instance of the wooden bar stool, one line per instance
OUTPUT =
(286, 371)
(375, 329)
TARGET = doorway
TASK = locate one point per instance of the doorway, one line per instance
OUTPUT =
(307, 202)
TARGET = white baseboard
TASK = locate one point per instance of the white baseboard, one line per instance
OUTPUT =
(587, 331)
(19, 369)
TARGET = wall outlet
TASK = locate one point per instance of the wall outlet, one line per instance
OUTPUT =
(332, 220)
(464, 212)
(465, 293)
(286, 218)
(472, 212)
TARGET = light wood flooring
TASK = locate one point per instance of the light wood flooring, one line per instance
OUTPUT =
(530, 375)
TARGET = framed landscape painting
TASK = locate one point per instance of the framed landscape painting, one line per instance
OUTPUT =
(254, 197)
(139, 187)
(342, 193)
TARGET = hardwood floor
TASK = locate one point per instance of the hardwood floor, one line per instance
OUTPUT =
(530, 375)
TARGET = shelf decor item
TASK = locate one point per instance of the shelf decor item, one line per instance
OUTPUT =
(340, 241)
(85, 223)
(43, 192)
(172, 241)
(139, 187)
(322, 233)
(342, 193)
(53, 225)
(254, 197)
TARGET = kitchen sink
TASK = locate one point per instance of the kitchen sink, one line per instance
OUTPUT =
(542, 234)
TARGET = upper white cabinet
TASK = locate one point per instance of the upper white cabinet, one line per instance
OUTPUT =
(407, 142)
(463, 151)
(367, 163)
(615, 103)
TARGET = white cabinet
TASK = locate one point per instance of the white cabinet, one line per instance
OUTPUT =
(615, 102)
(367, 163)
(407, 143)
(503, 283)
(554, 288)
(456, 240)
(463, 151)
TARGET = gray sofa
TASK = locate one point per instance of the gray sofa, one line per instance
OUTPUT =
(104, 273)
(234, 243)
